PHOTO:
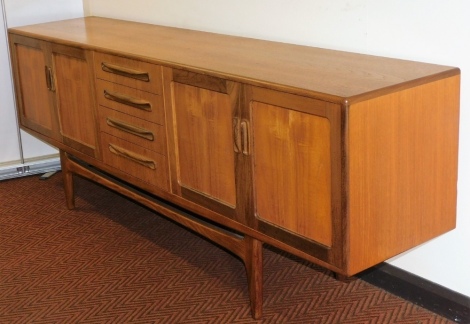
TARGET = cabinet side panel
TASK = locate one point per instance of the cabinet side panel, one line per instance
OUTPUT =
(205, 144)
(293, 171)
(403, 150)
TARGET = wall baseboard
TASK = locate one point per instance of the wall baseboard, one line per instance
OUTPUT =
(436, 298)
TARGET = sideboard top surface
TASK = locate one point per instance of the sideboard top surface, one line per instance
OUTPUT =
(327, 74)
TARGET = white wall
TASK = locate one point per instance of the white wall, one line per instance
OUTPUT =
(9, 143)
(23, 12)
(424, 30)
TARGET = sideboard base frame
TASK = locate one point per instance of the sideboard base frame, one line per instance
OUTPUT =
(248, 249)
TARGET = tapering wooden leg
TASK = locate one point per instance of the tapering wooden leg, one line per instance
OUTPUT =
(254, 268)
(68, 180)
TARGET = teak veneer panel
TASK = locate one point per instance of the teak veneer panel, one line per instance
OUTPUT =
(204, 137)
(35, 112)
(293, 171)
(402, 156)
(75, 70)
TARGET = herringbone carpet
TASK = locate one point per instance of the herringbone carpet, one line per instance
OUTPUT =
(112, 261)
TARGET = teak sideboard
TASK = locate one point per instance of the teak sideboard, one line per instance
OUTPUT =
(342, 159)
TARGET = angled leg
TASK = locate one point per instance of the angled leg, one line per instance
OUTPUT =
(68, 180)
(254, 268)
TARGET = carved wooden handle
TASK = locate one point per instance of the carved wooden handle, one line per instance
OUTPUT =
(126, 72)
(241, 136)
(237, 142)
(132, 156)
(134, 130)
(127, 100)
(245, 137)
(50, 79)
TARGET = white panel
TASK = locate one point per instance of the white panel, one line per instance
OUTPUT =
(25, 12)
(9, 143)
(424, 30)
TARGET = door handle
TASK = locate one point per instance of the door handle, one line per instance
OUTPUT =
(241, 136)
(245, 137)
(237, 142)
(49, 79)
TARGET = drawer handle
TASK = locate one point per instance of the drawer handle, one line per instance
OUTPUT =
(119, 151)
(129, 101)
(125, 72)
(131, 129)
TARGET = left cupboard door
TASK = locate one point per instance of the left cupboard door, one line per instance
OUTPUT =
(34, 86)
(55, 90)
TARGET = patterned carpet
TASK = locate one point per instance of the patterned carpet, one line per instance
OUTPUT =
(112, 261)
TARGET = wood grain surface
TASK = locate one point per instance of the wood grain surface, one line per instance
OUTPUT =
(327, 74)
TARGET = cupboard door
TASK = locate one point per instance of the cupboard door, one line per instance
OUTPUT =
(206, 157)
(293, 166)
(34, 85)
(74, 99)
(296, 163)
(203, 112)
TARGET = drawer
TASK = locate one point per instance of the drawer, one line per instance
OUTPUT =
(129, 72)
(131, 101)
(132, 129)
(143, 164)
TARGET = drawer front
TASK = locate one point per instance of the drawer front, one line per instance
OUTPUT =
(132, 73)
(132, 129)
(131, 101)
(136, 161)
